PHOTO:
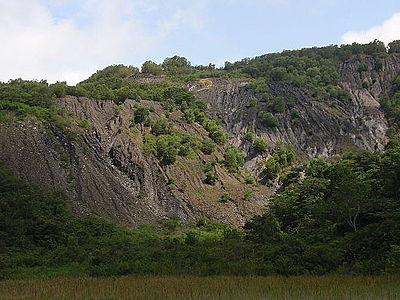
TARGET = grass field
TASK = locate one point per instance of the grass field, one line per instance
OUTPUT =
(327, 287)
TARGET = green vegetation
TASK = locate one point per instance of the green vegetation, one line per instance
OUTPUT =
(282, 158)
(233, 158)
(151, 68)
(327, 217)
(267, 119)
(260, 145)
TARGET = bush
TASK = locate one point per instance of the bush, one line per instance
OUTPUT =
(363, 67)
(250, 180)
(141, 114)
(225, 198)
(249, 136)
(167, 148)
(215, 132)
(278, 106)
(151, 68)
(260, 145)
(211, 178)
(267, 119)
(208, 146)
(253, 101)
(234, 159)
(161, 126)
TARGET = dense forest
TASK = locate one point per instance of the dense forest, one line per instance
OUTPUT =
(327, 216)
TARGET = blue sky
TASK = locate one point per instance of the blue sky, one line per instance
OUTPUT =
(70, 39)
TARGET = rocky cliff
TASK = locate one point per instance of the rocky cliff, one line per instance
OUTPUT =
(318, 129)
(106, 171)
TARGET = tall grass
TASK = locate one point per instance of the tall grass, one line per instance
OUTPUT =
(327, 287)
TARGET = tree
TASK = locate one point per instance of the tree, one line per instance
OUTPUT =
(161, 126)
(394, 47)
(208, 146)
(151, 68)
(141, 114)
(176, 65)
(233, 158)
(267, 119)
(260, 145)
(278, 105)
(167, 148)
(349, 194)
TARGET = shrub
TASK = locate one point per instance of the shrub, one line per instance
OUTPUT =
(278, 106)
(141, 114)
(225, 198)
(167, 148)
(267, 119)
(363, 67)
(211, 178)
(208, 146)
(253, 101)
(249, 136)
(189, 115)
(260, 145)
(250, 180)
(151, 68)
(161, 126)
(234, 159)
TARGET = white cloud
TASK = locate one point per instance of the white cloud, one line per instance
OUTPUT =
(36, 45)
(386, 32)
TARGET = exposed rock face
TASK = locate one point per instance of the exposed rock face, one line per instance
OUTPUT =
(106, 172)
(318, 129)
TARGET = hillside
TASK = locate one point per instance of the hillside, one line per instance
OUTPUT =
(135, 147)
(287, 163)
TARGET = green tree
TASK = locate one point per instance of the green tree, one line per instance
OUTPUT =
(233, 158)
(161, 126)
(141, 113)
(151, 68)
(260, 145)
(394, 47)
(267, 119)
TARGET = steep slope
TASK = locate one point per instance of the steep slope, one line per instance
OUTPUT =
(110, 167)
(106, 173)
(314, 128)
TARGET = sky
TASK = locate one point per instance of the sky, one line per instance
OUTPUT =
(68, 40)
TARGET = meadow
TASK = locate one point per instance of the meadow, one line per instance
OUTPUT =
(176, 287)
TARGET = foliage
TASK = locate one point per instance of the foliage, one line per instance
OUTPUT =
(260, 145)
(327, 217)
(208, 146)
(233, 158)
(338, 214)
(394, 47)
(32, 93)
(215, 131)
(161, 126)
(267, 119)
(150, 67)
(140, 114)
(283, 157)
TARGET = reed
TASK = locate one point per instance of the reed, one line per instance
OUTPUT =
(175, 287)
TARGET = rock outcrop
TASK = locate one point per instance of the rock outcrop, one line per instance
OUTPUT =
(106, 171)
(318, 129)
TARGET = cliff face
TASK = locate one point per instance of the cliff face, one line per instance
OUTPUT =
(105, 170)
(318, 129)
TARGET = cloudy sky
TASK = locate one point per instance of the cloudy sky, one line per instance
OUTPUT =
(71, 39)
